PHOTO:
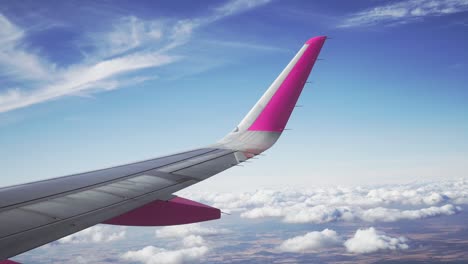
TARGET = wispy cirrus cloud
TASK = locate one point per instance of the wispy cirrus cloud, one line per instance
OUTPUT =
(82, 79)
(237, 6)
(125, 34)
(50, 82)
(129, 46)
(403, 12)
(16, 60)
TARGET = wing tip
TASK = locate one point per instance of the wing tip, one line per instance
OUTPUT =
(318, 39)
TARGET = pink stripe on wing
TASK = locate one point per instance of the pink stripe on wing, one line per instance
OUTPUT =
(276, 113)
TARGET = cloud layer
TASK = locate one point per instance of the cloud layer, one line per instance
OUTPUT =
(362, 203)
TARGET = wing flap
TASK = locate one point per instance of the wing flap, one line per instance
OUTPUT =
(175, 211)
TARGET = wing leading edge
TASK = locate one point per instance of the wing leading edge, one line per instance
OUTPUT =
(141, 193)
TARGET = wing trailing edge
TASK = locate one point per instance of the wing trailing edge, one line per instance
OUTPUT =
(176, 211)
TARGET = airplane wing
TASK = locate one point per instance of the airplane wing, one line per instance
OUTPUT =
(141, 193)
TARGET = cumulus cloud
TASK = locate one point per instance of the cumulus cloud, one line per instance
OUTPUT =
(301, 213)
(187, 230)
(392, 215)
(404, 12)
(234, 202)
(362, 203)
(370, 240)
(128, 46)
(363, 241)
(317, 214)
(311, 241)
(320, 214)
(154, 255)
(193, 240)
(96, 234)
(194, 245)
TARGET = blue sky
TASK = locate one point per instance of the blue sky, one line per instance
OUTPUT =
(86, 85)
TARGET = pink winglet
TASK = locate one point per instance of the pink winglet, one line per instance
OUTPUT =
(7, 261)
(176, 211)
(276, 113)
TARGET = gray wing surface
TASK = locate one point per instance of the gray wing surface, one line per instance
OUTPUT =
(36, 213)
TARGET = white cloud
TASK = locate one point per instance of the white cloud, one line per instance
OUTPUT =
(190, 237)
(231, 202)
(301, 213)
(370, 240)
(82, 79)
(127, 33)
(179, 231)
(193, 241)
(154, 255)
(96, 234)
(405, 11)
(392, 215)
(311, 241)
(319, 214)
(128, 46)
(407, 195)
(362, 203)
(364, 241)
(183, 29)
(237, 6)
(85, 77)
(266, 211)
(15, 59)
